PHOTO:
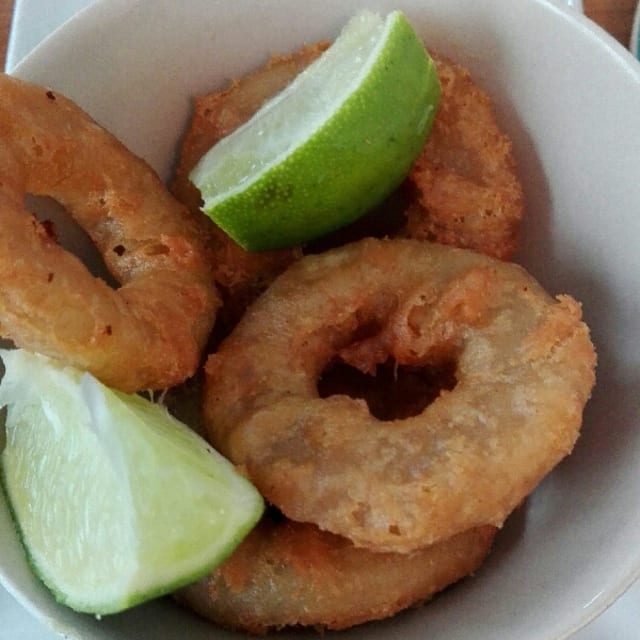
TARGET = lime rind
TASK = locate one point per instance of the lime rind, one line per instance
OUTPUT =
(339, 170)
(116, 502)
(236, 161)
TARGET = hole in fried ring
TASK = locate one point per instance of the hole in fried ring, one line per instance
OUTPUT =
(61, 227)
(524, 369)
(394, 391)
(148, 333)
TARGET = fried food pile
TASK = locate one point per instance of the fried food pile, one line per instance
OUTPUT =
(371, 514)
(394, 390)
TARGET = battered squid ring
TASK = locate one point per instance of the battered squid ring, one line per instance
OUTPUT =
(288, 574)
(150, 332)
(468, 192)
(524, 371)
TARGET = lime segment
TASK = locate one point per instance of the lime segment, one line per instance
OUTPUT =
(330, 146)
(115, 500)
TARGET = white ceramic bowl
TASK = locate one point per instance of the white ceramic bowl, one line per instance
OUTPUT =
(570, 97)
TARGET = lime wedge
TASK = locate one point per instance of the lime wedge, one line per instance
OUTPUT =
(116, 501)
(330, 146)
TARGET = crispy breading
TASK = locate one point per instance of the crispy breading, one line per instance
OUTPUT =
(292, 574)
(524, 369)
(150, 332)
(468, 192)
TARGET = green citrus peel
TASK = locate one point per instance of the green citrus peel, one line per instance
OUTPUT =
(116, 502)
(332, 145)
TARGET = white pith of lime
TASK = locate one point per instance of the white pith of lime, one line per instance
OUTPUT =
(330, 146)
(116, 502)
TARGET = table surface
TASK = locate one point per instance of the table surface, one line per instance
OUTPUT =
(6, 9)
(613, 15)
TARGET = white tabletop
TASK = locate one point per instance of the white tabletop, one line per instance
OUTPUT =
(34, 20)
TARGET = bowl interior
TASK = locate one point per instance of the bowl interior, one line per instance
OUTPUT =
(570, 97)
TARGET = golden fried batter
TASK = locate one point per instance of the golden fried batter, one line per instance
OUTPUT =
(469, 195)
(150, 332)
(524, 371)
(287, 574)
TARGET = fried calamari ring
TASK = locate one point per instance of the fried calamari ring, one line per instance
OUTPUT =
(469, 195)
(150, 332)
(287, 574)
(524, 371)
